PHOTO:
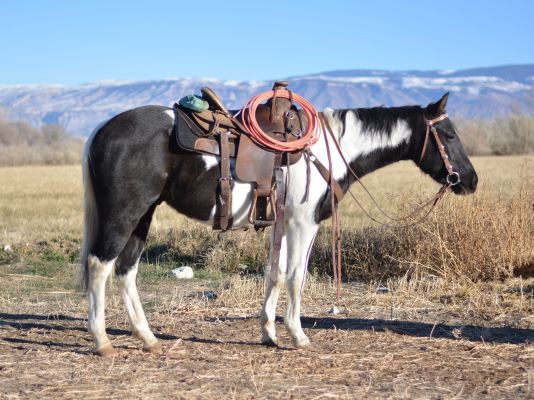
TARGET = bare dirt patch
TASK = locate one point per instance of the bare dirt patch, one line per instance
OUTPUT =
(394, 345)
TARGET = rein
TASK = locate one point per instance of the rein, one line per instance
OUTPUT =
(453, 178)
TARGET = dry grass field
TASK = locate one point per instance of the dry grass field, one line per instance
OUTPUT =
(441, 310)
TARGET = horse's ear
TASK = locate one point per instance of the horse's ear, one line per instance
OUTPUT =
(438, 107)
(442, 103)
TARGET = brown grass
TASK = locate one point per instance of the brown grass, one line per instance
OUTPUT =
(484, 236)
(440, 326)
(488, 236)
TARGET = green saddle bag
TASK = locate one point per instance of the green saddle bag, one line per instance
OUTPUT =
(194, 103)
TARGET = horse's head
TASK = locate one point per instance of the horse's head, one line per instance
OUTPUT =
(439, 152)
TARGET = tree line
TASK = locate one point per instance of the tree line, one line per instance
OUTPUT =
(499, 136)
(23, 144)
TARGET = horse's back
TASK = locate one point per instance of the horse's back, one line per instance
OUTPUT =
(136, 127)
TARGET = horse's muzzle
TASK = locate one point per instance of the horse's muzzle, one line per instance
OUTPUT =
(467, 185)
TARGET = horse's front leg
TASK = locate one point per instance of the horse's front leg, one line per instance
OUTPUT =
(300, 237)
(274, 280)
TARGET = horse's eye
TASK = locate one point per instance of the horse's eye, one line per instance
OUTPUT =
(448, 135)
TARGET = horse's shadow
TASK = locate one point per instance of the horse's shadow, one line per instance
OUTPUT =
(46, 323)
(27, 322)
(475, 333)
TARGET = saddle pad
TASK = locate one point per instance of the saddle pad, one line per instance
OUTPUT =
(191, 138)
(187, 132)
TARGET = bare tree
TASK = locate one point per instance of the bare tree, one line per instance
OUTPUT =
(53, 134)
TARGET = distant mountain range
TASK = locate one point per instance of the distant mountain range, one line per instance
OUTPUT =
(475, 93)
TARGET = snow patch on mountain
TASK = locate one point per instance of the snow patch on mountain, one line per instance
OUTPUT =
(472, 84)
(446, 71)
(481, 92)
(358, 79)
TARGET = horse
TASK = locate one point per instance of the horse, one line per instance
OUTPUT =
(131, 164)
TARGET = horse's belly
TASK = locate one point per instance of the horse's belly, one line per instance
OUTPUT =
(194, 193)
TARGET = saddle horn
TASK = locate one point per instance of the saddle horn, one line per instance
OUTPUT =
(211, 97)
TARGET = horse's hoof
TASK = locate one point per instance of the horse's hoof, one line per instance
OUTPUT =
(270, 342)
(302, 343)
(155, 349)
(308, 347)
(106, 351)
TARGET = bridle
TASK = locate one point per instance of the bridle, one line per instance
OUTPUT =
(453, 177)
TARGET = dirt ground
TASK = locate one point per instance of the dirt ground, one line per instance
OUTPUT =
(381, 345)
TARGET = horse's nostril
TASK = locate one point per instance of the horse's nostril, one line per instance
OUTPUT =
(474, 181)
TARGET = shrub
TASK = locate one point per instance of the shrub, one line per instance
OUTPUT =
(21, 144)
(502, 136)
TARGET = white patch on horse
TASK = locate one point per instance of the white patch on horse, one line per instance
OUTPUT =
(210, 161)
(98, 273)
(274, 282)
(300, 234)
(170, 113)
(241, 201)
(356, 143)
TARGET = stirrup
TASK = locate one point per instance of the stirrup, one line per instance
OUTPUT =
(261, 223)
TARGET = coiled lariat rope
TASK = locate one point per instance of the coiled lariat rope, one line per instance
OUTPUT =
(308, 138)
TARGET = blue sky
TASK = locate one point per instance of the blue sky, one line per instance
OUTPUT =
(73, 42)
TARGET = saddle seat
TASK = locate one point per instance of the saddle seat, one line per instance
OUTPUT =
(218, 132)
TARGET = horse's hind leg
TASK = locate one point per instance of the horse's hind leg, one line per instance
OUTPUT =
(114, 235)
(126, 269)
(97, 275)
(111, 239)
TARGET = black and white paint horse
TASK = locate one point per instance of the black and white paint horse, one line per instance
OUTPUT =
(131, 164)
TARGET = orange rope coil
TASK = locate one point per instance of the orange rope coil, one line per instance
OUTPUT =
(308, 138)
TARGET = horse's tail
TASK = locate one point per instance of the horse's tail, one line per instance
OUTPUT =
(90, 210)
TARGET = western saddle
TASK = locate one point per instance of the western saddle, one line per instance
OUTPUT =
(218, 132)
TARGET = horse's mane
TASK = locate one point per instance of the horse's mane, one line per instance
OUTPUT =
(380, 120)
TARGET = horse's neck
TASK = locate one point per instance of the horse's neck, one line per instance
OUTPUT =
(368, 147)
